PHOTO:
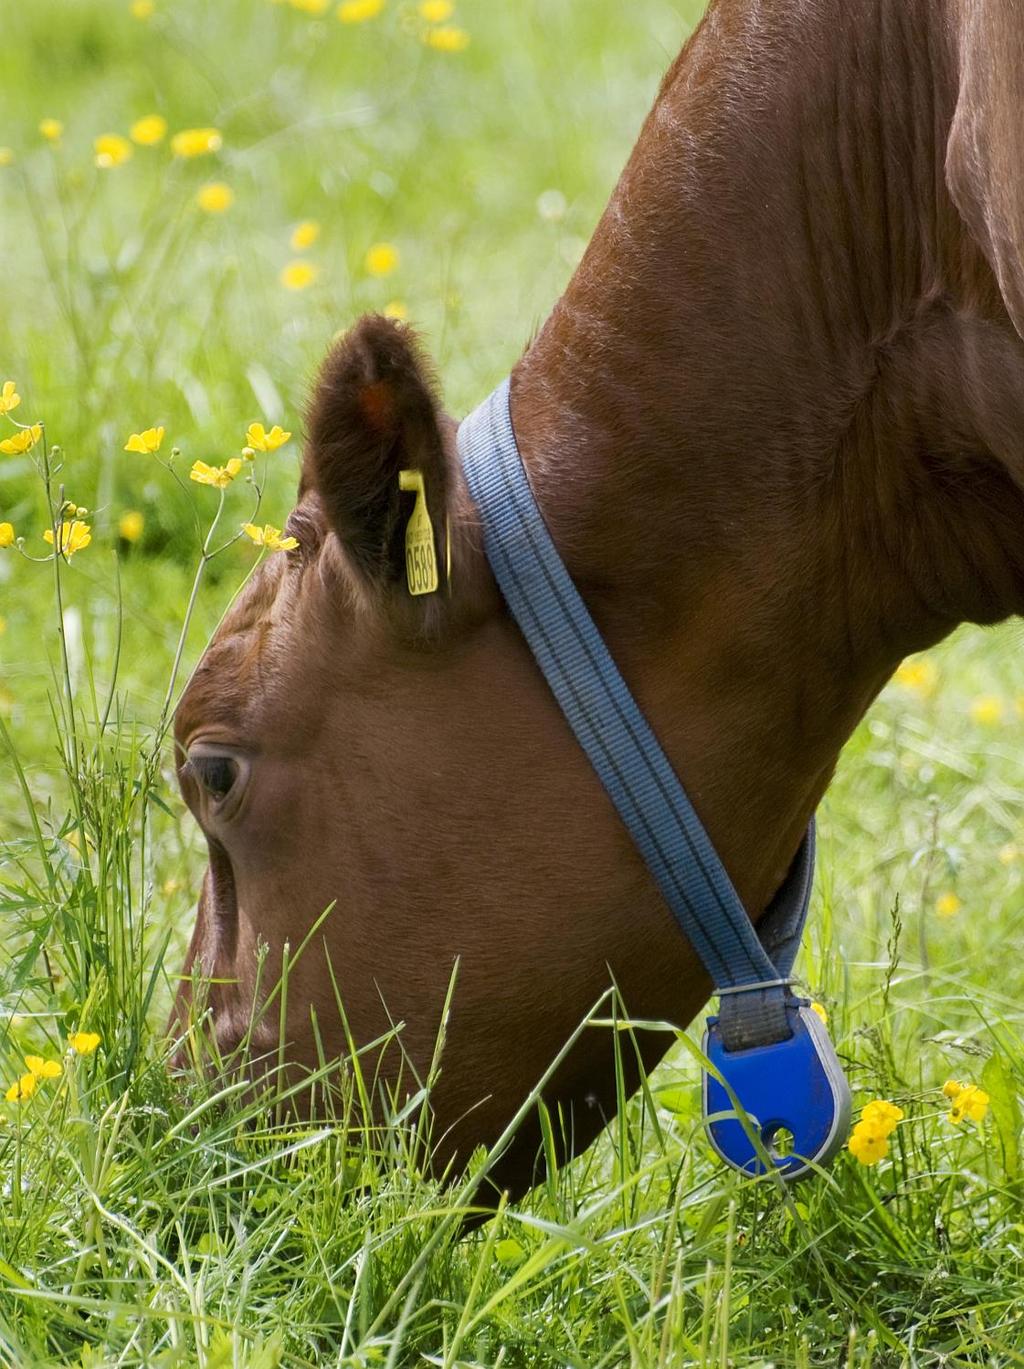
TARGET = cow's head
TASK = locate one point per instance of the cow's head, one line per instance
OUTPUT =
(395, 759)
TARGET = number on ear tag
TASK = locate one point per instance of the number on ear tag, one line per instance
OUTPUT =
(794, 1090)
(420, 555)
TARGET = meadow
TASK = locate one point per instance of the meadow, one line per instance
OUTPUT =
(445, 164)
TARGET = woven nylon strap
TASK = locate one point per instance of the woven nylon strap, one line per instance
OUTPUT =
(624, 751)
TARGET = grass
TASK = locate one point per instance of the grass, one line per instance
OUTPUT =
(147, 1221)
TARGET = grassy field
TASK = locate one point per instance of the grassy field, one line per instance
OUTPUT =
(145, 1222)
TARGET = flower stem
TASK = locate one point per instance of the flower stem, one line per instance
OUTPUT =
(56, 520)
(205, 557)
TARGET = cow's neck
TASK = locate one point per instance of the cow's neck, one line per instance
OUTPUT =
(718, 417)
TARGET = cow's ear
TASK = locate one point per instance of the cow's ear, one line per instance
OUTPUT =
(985, 155)
(377, 456)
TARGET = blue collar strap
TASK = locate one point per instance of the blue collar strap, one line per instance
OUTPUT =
(764, 1041)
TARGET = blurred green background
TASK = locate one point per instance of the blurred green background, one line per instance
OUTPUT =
(485, 167)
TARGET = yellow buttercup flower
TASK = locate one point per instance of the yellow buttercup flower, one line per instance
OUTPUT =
(819, 1011)
(972, 1102)
(219, 476)
(196, 142)
(9, 397)
(256, 436)
(269, 537)
(919, 675)
(358, 11)
(987, 710)
(436, 11)
(43, 1069)
(147, 441)
(395, 309)
(382, 259)
(304, 235)
(215, 198)
(948, 905)
(6, 535)
(111, 149)
(130, 525)
(882, 1115)
(84, 1043)
(22, 442)
(297, 275)
(149, 130)
(74, 536)
(1008, 854)
(868, 1145)
(142, 9)
(51, 129)
(447, 38)
(6, 156)
(24, 1088)
(869, 1141)
(967, 1101)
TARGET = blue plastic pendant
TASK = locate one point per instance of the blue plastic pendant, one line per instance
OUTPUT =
(795, 1086)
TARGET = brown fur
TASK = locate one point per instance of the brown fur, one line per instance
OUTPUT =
(776, 425)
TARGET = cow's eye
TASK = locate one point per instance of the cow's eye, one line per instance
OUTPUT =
(215, 772)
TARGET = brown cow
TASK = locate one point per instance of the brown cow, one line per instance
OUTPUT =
(776, 425)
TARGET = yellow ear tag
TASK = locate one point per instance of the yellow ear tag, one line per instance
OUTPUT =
(420, 557)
